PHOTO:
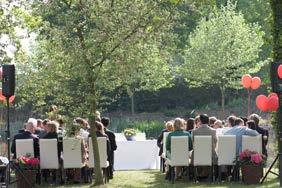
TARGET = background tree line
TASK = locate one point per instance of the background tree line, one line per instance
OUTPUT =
(83, 55)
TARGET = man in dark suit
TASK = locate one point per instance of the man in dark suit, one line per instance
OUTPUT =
(27, 134)
(112, 138)
(264, 133)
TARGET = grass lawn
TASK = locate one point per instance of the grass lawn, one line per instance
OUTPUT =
(155, 179)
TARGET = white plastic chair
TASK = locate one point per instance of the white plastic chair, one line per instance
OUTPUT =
(72, 156)
(179, 153)
(202, 153)
(226, 151)
(104, 164)
(252, 143)
(24, 147)
(49, 155)
(72, 153)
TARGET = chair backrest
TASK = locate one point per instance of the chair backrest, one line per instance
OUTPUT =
(252, 143)
(48, 154)
(72, 153)
(24, 147)
(226, 149)
(164, 141)
(202, 151)
(102, 145)
(179, 151)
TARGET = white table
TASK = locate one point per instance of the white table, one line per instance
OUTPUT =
(137, 155)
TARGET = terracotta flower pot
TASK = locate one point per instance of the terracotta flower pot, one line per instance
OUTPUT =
(27, 179)
(251, 174)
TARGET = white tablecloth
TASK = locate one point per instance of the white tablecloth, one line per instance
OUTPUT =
(137, 155)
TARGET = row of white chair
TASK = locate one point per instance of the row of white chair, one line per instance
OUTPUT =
(72, 155)
(202, 146)
(202, 150)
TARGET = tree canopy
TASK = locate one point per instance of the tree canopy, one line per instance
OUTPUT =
(222, 48)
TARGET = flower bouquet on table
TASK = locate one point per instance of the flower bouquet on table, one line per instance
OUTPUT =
(251, 164)
(28, 169)
(130, 134)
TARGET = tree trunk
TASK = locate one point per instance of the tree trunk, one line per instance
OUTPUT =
(98, 177)
(132, 104)
(222, 91)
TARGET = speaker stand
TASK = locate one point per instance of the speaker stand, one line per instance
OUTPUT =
(271, 166)
(11, 164)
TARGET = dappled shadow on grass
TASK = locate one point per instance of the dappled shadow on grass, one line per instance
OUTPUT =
(160, 182)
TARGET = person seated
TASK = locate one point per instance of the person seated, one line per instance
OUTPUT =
(245, 119)
(264, 133)
(74, 174)
(212, 120)
(84, 130)
(168, 128)
(178, 126)
(34, 122)
(206, 130)
(218, 126)
(112, 138)
(100, 132)
(239, 130)
(44, 127)
(52, 133)
(231, 121)
(197, 122)
(251, 125)
(190, 125)
(61, 128)
(27, 134)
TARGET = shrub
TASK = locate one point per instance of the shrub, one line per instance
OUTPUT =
(151, 128)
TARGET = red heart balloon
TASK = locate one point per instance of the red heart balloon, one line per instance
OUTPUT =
(279, 71)
(256, 81)
(246, 81)
(262, 103)
(272, 94)
(273, 103)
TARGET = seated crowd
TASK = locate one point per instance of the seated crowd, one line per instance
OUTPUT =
(203, 125)
(47, 129)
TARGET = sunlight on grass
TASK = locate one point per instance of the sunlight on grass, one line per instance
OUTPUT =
(155, 179)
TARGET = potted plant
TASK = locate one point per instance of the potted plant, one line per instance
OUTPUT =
(130, 134)
(28, 168)
(251, 164)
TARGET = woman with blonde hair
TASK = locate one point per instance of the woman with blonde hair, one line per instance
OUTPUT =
(52, 129)
(160, 140)
(178, 126)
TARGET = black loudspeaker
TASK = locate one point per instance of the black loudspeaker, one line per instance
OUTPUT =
(276, 82)
(8, 80)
